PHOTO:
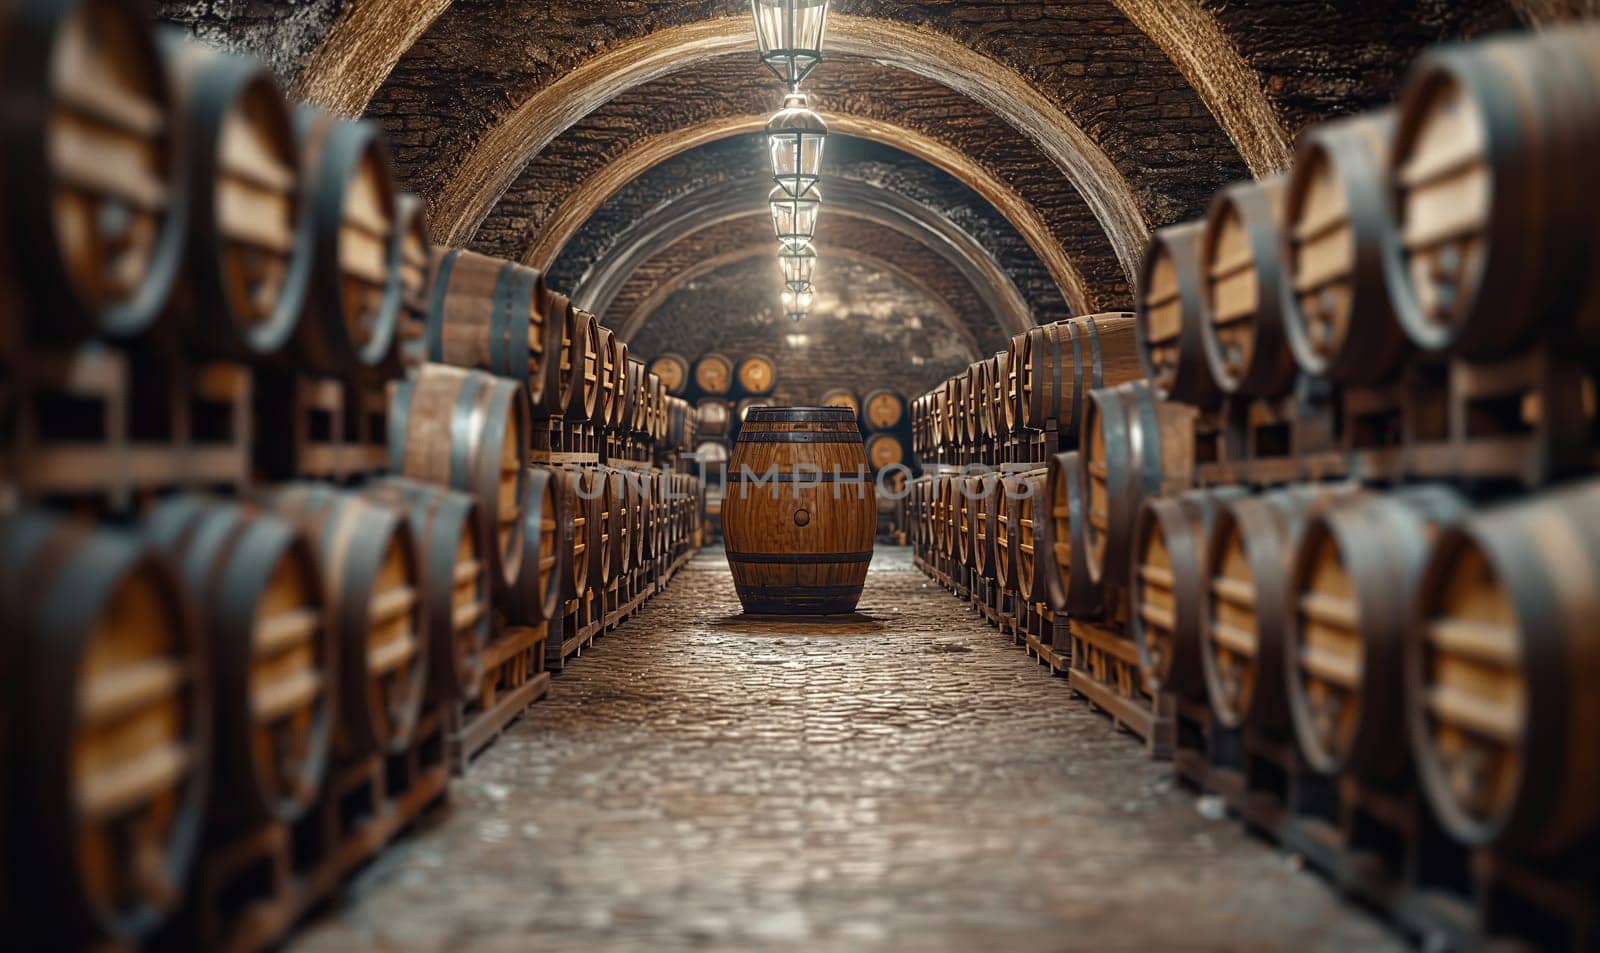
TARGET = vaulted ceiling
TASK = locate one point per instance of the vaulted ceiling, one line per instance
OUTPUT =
(995, 162)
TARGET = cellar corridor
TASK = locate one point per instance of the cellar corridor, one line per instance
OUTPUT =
(906, 781)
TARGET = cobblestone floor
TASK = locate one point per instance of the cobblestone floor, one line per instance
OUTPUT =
(908, 782)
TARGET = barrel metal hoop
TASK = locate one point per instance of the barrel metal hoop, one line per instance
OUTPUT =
(800, 559)
(794, 477)
(800, 415)
(461, 441)
(441, 288)
(799, 436)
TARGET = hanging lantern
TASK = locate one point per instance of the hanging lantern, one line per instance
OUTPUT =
(797, 304)
(789, 34)
(794, 217)
(795, 137)
(799, 265)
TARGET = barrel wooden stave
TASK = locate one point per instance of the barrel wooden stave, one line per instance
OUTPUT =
(249, 256)
(1338, 233)
(456, 590)
(713, 374)
(350, 326)
(117, 773)
(1354, 572)
(256, 585)
(1492, 195)
(1135, 446)
(1246, 290)
(373, 576)
(795, 547)
(1245, 633)
(757, 374)
(486, 313)
(469, 431)
(1501, 663)
(1171, 318)
(94, 243)
(1167, 587)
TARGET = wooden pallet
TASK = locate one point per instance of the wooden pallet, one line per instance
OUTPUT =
(337, 431)
(1047, 638)
(555, 441)
(102, 426)
(582, 619)
(1272, 442)
(1105, 670)
(514, 678)
(250, 890)
(1524, 422)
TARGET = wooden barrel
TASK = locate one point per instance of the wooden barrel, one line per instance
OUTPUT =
(638, 398)
(1028, 528)
(795, 546)
(1339, 232)
(1246, 290)
(999, 373)
(623, 524)
(885, 450)
(713, 374)
(484, 313)
(606, 377)
(1351, 584)
(1066, 572)
(658, 408)
(1062, 362)
(713, 417)
(577, 377)
(757, 374)
(841, 397)
(1167, 587)
(1172, 317)
(682, 424)
(455, 588)
(1134, 446)
(946, 514)
(1493, 196)
(107, 786)
(673, 369)
(713, 455)
(985, 500)
(882, 409)
(248, 254)
(1009, 532)
(415, 255)
(948, 410)
(1502, 660)
(976, 404)
(599, 493)
(1244, 638)
(621, 360)
(576, 533)
(1015, 348)
(351, 321)
(255, 582)
(94, 234)
(469, 431)
(746, 404)
(372, 573)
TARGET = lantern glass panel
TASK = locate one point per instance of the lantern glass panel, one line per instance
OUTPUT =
(794, 217)
(799, 265)
(789, 34)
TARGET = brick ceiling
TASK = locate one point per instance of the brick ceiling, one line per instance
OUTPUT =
(1044, 139)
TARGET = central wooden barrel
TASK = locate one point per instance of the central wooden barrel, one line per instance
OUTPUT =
(799, 514)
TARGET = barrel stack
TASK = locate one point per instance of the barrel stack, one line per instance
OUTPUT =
(1326, 533)
(1020, 415)
(297, 503)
